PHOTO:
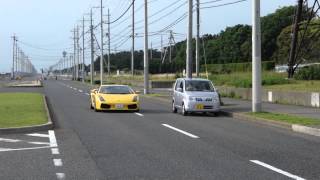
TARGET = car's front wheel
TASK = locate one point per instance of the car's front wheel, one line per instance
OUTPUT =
(183, 111)
(174, 109)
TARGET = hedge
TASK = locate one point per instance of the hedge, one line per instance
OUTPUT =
(308, 73)
(236, 67)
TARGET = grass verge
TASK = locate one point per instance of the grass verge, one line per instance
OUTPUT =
(291, 119)
(22, 109)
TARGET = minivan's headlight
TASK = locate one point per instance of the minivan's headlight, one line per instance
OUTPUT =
(135, 99)
(101, 99)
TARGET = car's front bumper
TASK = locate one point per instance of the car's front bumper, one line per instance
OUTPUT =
(133, 106)
(193, 106)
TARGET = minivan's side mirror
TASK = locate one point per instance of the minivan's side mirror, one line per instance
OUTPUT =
(179, 89)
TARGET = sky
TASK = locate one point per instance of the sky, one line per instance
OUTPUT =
(43, 27)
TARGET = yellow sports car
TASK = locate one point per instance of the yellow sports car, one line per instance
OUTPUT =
(114, 98)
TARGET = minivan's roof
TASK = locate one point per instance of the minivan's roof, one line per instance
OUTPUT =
(196, 79)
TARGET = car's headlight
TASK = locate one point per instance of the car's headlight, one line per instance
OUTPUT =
(135, 99)
(101, 99)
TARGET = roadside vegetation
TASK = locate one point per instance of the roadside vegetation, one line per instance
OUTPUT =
(21, 109)
(291, 119)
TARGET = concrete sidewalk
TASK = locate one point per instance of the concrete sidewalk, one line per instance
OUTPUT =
(236, 105)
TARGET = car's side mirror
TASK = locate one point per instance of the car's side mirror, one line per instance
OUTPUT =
(179, 89)
(137, 92)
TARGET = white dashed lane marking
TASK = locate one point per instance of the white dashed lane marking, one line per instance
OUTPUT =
(139, 114)
(60, 176)
(55, 151)
(277, 170)
(181, 131)
(57, 162)
(52, 139)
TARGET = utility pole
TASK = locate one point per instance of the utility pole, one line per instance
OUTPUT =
(294, 40)
(74, 55)
(146, 60)
(132, 49)
(151, 51)
(78, 54)
(256, 57)
(197, 40)
(101, 48)
(92, 48)
(13, 55)
(161, 46)
(109, 43)
(83, 51)
(189, 41)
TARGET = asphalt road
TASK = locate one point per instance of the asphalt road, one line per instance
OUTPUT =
(157, 144)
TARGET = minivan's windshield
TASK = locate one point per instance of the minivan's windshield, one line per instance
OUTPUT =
(196, 85)
(116, 90)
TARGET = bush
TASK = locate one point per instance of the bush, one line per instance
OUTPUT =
(308, 73)
(243, 80)
(237, 67)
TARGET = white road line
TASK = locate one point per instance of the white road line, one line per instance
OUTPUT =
(22, 149)
(80, 90)
(55, 151)
(60, 176)
(71, 87)
(75, 89)
(38, 135)
(139, 114)
(39, 143)
(10, 140)
(57, 162)
(181, 131)
(277, 170)
(52, 139)
(87, 94)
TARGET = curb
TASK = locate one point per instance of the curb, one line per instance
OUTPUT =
(293, 127)
(28, 129)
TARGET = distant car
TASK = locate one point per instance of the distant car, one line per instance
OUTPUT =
(195, 95)
(114, 98)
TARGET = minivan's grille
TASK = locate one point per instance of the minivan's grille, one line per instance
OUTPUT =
(207, 107)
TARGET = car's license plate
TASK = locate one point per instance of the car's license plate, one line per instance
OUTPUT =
(199, 106)
(119, 106)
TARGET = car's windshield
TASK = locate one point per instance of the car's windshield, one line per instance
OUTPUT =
(116, 90)
(197, 85)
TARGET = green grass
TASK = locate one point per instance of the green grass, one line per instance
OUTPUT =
(291, 119)
(299, 86)
(21, 109)
(244, 79)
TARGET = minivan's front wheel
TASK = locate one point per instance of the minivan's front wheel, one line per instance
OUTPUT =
(184, 112)
(174, 109)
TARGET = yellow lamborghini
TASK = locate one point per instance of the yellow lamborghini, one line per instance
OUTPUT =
(114, 98)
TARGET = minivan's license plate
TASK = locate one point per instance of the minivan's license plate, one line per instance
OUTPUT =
(119, 106)
(199, 106)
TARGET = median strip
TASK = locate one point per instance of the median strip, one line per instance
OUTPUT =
(277, 170)
(181, 131)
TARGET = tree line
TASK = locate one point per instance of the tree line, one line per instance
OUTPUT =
(232, 45)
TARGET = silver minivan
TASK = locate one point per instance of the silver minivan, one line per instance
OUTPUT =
(195, 95)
